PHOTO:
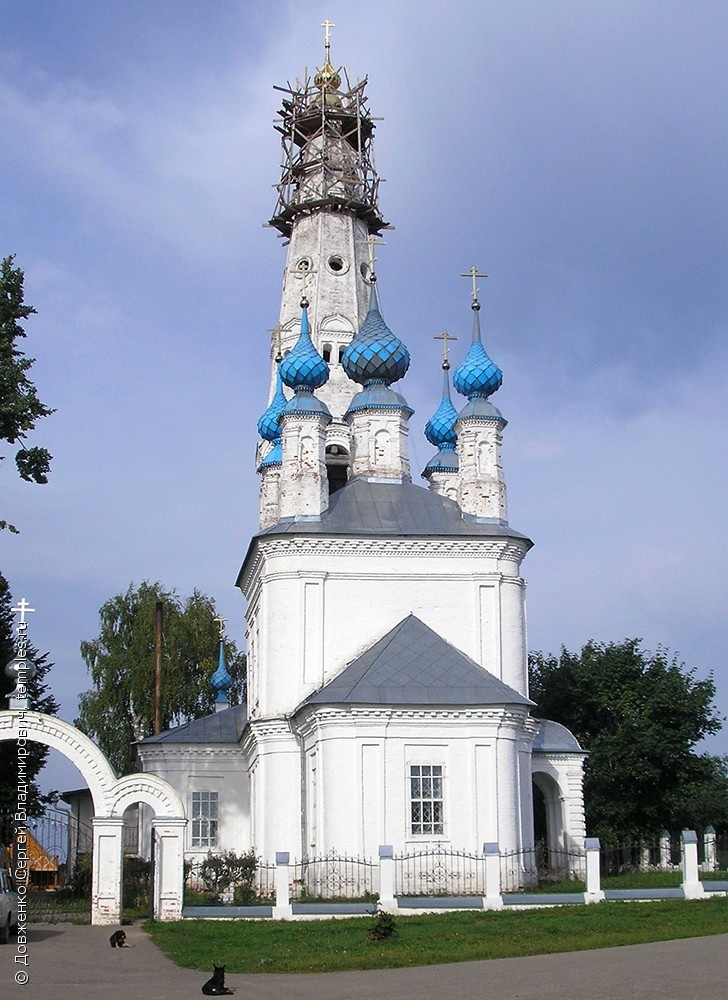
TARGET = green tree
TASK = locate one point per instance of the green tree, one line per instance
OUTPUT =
(20, 407)
(120, 708)
(640, 716)
(41, 700)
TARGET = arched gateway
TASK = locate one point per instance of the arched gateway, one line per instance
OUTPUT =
(111, 796)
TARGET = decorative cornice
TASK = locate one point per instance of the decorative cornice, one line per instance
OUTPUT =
(317, 716)
(177, 750)
(452, 547)
(561, 756)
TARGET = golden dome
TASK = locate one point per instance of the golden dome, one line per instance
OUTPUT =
(327, 76)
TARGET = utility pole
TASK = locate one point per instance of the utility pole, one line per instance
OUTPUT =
(158, 668)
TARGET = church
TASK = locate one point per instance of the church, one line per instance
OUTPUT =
(387, 689)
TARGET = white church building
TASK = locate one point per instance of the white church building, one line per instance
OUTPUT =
(387, 694)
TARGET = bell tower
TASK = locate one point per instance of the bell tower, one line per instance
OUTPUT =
(327, 210)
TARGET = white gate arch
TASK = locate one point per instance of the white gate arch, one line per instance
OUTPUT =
(111, 796)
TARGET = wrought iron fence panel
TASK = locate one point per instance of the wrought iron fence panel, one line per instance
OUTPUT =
(55, 851)
(334, 876)
(519, 869)
(228, 878)
(721, 851)
(639, 856)
(542, 866)
(265, 881)
(439, 871)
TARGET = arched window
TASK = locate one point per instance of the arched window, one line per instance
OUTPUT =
(337, 466)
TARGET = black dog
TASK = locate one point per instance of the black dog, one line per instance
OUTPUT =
(118, 940)
(216, 987)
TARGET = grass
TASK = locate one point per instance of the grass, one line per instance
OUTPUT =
(247, 946)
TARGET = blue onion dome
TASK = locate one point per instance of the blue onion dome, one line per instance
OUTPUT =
(304, 368)
(478, 375)
(446, 460)
(221, 679)
(269, 426)
(375, 354)
(440, 428)
(274, 456)
(377, 395)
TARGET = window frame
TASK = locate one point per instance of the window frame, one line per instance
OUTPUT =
(204, 826)
(431, 822)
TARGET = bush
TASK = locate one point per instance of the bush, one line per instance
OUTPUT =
(383, 926)
(137, 873)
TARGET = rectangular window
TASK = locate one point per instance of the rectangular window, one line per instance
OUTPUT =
(204, 819)
(426, 809)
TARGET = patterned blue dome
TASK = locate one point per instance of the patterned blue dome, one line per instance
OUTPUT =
(305, 403)
(446, 460)
(378, 396)
(440, 428)
(269, 426)
(478, 375)
(375, 354)
(304, 367)
(274, 456)
(221, 679)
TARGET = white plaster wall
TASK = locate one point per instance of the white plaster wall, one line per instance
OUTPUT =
(319, 604)
(304, 488)
(275, 761)
(216, 768)
(363, 757)
(379, 444)
(342, 295)
(566, 807)
(481, 482)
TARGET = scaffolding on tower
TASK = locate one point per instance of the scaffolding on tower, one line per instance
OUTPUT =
(326, 151)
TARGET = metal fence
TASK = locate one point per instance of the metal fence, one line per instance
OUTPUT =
(439, 872)
(231, 879)
(543, 867)
(335, 877)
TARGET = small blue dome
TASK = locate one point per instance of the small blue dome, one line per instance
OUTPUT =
(478, 375)
(304, 367)
(375, 353)
(269, 426)
(378, 396)
(446, 460)
(221, 679)
(304, 402)
(274, 456)
(440, 428)
(479, 408)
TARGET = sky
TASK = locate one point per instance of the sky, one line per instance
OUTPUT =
(577, 153)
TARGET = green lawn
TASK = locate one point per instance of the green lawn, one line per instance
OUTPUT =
(336, 945)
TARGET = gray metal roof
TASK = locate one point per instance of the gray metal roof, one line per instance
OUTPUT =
(363, 507)
(413, 665)
(552, 736)
(220, 727)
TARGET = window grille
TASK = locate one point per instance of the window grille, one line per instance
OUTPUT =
(204, 819)
(426, 802)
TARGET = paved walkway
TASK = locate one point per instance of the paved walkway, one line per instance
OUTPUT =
(71, 963)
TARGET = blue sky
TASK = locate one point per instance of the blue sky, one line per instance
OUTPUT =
(576, 152)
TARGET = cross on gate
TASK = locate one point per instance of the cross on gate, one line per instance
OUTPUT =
(23, 608)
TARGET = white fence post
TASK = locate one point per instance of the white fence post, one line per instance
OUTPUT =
(710, 864)
(594, 893)
(665, 859)
(283, 909)
(493, 899)
(691, 885)
(386, 878)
